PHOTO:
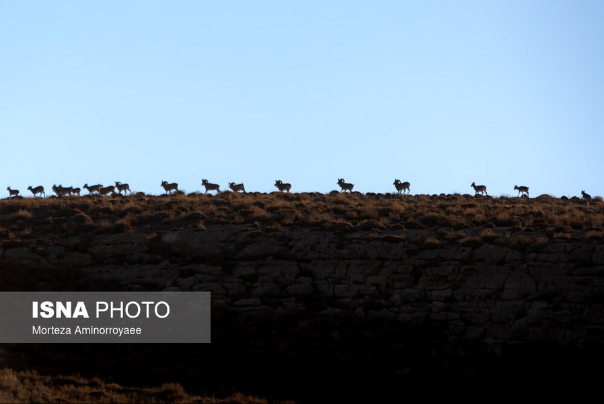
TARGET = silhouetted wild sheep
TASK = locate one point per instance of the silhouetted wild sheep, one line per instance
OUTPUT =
(209, 186)
(236, 187)
(95, 188)
(401, 186)
(282, 187)
(479, 188)
(61, 190)
(67, 190)
(37, 190)
(107, 190)
(122, 187)
(169, 187)
(345, 185)
(522, 189)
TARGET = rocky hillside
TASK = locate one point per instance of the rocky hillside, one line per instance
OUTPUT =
(374, 287)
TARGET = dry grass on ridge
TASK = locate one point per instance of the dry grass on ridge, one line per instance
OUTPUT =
(31, 387)
(278, 212)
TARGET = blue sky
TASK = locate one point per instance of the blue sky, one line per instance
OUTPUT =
(437, 93)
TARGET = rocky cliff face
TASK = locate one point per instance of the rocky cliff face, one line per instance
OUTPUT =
(491, 292)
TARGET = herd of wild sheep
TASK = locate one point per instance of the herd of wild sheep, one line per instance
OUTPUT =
(118, 188)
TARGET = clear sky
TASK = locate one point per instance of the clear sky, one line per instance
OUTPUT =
(437, 93)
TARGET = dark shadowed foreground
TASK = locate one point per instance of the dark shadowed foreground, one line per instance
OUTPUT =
(318, 297)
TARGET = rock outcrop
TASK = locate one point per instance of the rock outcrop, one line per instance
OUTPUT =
(497, 292)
